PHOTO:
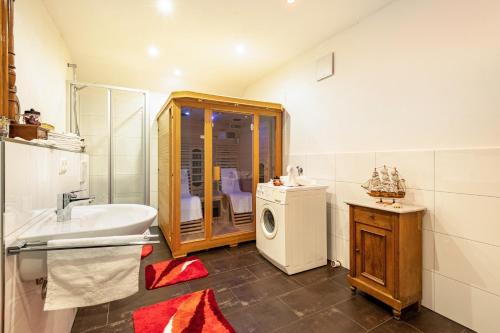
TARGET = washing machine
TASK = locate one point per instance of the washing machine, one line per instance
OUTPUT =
(291, 226)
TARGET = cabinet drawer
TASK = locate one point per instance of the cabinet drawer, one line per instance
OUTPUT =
(376, 219)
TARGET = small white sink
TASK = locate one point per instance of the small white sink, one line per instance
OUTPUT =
(94, 221)
(301, 181)
(304, 181)
(86, 221)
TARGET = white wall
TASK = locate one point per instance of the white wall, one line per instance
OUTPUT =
(41, 58)
(32, 182)
(418, 74)
(415, 86)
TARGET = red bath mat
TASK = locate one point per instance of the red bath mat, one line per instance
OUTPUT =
(196, 312)
(169, 272)
(146, 251)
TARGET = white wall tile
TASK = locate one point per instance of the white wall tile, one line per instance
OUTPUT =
(153, 198)
(128, 198)
(341, 252)
(428, 249)
(428, 289)
(129, 164)
(153, 179)
(128, 184)
(99, 165)
(349, 191)
(99, 188)
(473, 171)
(320, 166)
(416, 167)
(424, 199)
(94, 125)
(97, 144)
(128, 146)
(296, 160)
(342, 223)
(128, 128)
(330, 190)
(33, 180)
(330, 219)
(467, 305)
(354, 167)
(330, 242)
(468, 216)
(471, 262)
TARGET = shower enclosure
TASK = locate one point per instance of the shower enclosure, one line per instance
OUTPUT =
(114, 123)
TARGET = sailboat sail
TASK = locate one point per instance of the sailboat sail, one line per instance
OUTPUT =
(385, 183)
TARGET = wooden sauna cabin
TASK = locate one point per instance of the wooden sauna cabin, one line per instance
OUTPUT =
(212, 153)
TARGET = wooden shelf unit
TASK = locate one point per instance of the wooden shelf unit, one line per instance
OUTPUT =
(171, 151)
(386, 254)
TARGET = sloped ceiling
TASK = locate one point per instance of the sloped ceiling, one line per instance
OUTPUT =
(217, 46)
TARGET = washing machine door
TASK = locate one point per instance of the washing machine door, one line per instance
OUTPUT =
(268, 222)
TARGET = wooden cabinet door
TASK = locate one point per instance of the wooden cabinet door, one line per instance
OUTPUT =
(374, 256)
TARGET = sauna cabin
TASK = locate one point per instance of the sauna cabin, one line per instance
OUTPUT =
(212, 153)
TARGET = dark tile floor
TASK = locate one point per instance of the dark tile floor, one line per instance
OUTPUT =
(257, 297)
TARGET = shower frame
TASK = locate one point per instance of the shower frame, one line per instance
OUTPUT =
(74, 123)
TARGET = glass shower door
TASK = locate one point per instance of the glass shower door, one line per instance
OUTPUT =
(93, 123)
(127, 143)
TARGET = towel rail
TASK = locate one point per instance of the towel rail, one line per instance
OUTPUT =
(24, 246)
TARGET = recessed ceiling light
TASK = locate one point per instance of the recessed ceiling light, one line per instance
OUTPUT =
(177, 72)
(165, 6)
(240, 48)
(153, 51)
(291, 1)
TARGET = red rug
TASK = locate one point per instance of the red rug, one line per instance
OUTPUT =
(146, 251)
(192, 313)
(169, 272)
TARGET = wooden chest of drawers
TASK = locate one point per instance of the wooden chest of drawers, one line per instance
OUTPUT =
(386, 253)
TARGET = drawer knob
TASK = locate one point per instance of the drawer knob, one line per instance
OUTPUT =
(372, 216)
(357, 250)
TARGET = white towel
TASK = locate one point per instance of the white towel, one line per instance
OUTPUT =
(85, 277)
(241, 201)
(191, 208)
(190, 205)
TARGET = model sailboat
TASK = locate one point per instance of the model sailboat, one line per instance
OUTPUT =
(385, 183)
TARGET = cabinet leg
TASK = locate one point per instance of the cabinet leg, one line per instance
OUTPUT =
(396, 314)
(233, 245)
(353, 290)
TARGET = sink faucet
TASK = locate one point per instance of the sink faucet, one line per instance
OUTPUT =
(66, 202)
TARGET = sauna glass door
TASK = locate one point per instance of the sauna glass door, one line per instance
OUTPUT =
(232, 160)
(267, 149)
(192, 185)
